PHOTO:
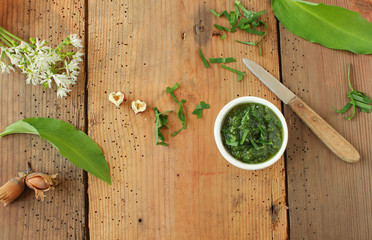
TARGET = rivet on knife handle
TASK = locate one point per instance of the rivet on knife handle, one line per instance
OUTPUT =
(329, 136)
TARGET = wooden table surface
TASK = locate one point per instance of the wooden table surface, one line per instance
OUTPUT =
(186, 190)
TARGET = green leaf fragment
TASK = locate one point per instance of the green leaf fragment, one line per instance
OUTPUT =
(171, 90)
(222, 60)
(73, 144)
(357, 99)
(254, 31)
(181, 116)
(161, 121)
(247, 22)
(245, 134)
(223, 35)
(254, 144)
(215, 13)
(205, 62)
(231, 142)
(246, 43)
(199, 109)
(240, 74)
(245, 11)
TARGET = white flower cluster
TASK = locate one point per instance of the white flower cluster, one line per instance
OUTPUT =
(43, 64)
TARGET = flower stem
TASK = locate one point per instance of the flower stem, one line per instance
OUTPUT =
(13, 36)
(5, 40)
(348, 77)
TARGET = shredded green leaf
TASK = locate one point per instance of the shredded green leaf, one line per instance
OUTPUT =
(223, 35)
(248, 22)
(199, 109)
(181, 117)
(205, 62)
(171, 90)
(247, 43)
(357, 99)
(254, 144)
(240, 74)
(161, 121)
(215, 13)
(222, 60)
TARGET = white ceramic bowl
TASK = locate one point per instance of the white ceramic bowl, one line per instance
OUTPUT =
(217, 133)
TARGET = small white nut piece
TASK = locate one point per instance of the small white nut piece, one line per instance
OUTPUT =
(138, 106)
(116, 98)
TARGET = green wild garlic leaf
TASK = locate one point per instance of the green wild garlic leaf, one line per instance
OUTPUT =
(73, 144)
(331, 26)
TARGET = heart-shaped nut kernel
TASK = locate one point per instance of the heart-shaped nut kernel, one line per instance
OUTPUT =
(116, 98)
(138, 106)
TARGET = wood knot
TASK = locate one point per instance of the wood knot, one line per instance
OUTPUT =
(183, 36)
(199, 27)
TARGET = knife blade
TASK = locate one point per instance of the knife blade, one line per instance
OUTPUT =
(329, 136)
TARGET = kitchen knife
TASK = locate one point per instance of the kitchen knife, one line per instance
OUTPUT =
(330, 137)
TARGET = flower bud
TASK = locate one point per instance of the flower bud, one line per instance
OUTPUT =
(40, 183)
(11, 190)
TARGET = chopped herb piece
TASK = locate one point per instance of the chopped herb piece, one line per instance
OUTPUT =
(255, 15)
(222, 28)
(357, 99)
(232, 143)
(199, 109)
(254, 144)
(248, 22)
(240, 74)
(246, 11)
(245, 134)
(161, 121)
(205, 61)
(171, 90)
(254, 31)
(215, 13)
(237, 13)
(222, 60)
(223, 35)
(344, 109)
(181, 117)
(226, 14)
(246, 43)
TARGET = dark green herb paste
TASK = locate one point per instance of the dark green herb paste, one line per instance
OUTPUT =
(252, 133)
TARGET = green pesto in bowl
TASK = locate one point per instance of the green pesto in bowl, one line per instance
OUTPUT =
(252, 133)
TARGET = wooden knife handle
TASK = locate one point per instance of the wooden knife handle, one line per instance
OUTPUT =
(330, 137)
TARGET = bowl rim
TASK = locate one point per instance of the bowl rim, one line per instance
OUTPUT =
(217, 133)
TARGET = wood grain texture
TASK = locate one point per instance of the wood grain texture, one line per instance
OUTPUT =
(186, 190)
(62, 214)
(328, 198)
(326, 133)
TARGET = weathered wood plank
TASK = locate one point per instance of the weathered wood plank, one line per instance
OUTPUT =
(186, 190)
(328, 198)
(62, 214)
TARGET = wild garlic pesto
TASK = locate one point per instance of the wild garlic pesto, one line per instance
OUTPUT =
(252, 133)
